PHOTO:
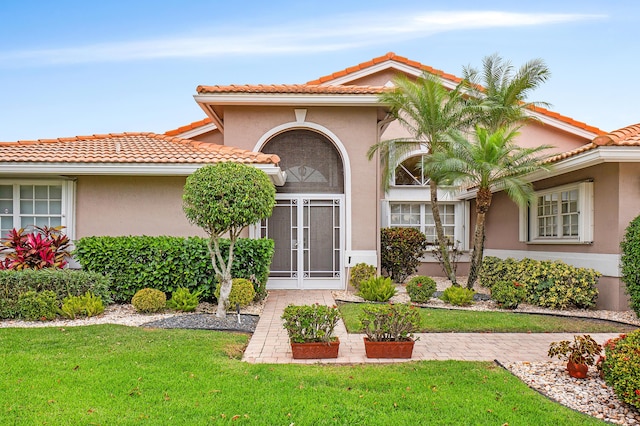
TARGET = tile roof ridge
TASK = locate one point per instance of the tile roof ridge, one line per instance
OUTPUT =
(190, 126)
(617, 137)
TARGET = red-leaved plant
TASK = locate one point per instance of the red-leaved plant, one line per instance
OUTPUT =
(46, 247)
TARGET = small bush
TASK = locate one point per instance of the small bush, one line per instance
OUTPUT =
(87, 305)
(34, 305)
(421, 289)
(458, 296)
(45, 247)
(242, 292)
(390, 322)
(400, 251)
(550, 284)
(183, 300)
(310, 323)
(508, 294)
(361, 272)
(630, 262)
(63, 282)
(621, 367)
(377, 289)
(149, 300)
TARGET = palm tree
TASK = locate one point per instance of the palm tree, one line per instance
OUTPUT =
(428, 111)
(500, 91)
(492, 162)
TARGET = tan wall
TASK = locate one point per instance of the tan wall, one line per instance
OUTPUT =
(213, 137)
(536, 134)
(125, 205)
(355, 127)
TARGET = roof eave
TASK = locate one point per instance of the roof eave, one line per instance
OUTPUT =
(293, 99)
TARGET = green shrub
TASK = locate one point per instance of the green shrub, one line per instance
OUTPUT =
(507, 294)
(34, 305)
(310, 323)
(377, 289)
(361, 272)
(63, 282)
(149, 300)
(550, 284)
(458, 296)
(390, 322)
(621, 367)
(400, 251)
(87, 305)
(183, 300)
(630, 263)
(242, 292)
(167, 263)
(421, 289)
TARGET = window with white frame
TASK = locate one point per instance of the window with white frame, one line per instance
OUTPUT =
(420, 216)
(33, 203)
(410, 172)
(559, 215)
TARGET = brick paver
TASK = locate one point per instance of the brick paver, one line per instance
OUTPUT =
(270, 343)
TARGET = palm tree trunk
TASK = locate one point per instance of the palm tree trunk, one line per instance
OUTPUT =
(442, 241)
(483, 202)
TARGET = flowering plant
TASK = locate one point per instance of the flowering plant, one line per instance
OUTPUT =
(310, 323)
(621, 367)
(390, 322)
(421, 288)
(582, 350)
(46, 247)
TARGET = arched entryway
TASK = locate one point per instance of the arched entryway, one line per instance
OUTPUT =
(308, 221)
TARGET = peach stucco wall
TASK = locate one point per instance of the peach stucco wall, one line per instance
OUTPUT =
(355, 128)
(127, 205)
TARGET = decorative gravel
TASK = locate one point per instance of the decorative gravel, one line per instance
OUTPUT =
(233, 322)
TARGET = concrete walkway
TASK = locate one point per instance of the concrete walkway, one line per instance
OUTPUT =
(270, 343)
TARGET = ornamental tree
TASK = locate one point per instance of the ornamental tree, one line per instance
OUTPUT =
(223, 199)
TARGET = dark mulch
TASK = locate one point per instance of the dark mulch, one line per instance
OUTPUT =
(246, 324)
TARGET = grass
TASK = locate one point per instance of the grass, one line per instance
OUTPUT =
(461, 321)
(117, 375)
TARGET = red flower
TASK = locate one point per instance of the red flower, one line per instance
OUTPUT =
(637, 391)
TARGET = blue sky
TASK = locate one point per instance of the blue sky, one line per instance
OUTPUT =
(83, 67)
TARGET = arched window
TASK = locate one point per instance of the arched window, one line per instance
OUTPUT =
(410, 172)
(311, 161)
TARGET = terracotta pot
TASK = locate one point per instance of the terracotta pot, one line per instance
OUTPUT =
(313, 350)
(579, 371)
(403, 349)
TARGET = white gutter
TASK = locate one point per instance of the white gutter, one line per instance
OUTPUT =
(277, 176)
(290, 99)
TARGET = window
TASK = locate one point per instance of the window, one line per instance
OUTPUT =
(410, 172)
(29, 204)
(420, 216)
(562, 214)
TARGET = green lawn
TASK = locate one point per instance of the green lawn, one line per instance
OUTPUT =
(461, 321)
(114, 375)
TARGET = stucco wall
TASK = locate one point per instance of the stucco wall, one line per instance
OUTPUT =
(126, 205)
(355, 127)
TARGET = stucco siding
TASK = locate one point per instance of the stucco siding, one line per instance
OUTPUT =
(128, 205)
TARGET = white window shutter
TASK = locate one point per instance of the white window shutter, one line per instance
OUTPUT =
(523, 223)
(585, 198)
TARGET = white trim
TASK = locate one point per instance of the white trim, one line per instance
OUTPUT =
(605, 263)
(561, 125)
(123, 169)
(289, 99)
(198, 131)
(353, 257)
(301, 114)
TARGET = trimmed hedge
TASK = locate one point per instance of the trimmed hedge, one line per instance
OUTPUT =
(630, 262)
(550, 284)
(168, 263)
(400, 251)
(62, 282)
(621, 367)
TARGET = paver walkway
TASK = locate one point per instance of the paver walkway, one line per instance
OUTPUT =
(270, 343)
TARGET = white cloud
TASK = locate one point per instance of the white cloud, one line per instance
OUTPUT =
(331, 34)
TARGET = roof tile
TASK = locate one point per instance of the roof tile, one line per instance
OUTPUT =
(292, 89)
(126, 148)
(627, 136)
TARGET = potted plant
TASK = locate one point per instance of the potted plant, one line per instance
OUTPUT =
(389, 330)
(310, 329)
(580, 354)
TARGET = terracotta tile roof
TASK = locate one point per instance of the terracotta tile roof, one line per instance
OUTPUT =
(627, 136)
(293, 88)
(401, 59)
(127, 148)
(188, 127)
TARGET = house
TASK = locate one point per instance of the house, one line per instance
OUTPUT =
(312, 140)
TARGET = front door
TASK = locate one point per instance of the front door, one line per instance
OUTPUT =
(308, 235)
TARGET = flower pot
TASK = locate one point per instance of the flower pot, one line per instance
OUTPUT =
(579, 371)
(401, 349)
(313, 350)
